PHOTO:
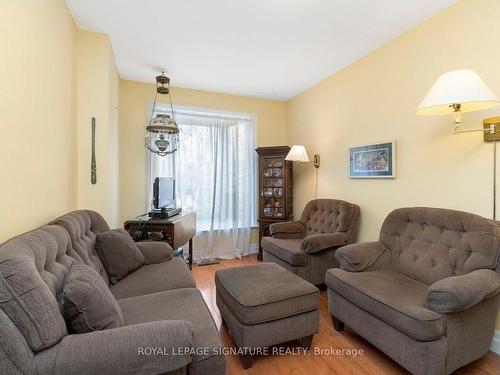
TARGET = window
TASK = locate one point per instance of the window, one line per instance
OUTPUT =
(214, 168)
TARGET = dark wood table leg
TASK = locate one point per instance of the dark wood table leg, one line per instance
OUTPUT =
(191, 253)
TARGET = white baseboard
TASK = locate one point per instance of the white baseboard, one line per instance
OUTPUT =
(495, 344)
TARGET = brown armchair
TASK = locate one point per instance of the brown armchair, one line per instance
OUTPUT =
(426, 293)
(307, 247)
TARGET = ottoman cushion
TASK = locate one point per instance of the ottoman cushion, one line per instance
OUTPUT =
(264, 292)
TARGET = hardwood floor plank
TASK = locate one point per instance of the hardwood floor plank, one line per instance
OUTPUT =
(372, 362)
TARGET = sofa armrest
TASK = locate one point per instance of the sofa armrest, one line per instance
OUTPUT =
(458, 293)
(288, 229)
(148, 348)
(359, 257)
(155, 251)
(318, 242)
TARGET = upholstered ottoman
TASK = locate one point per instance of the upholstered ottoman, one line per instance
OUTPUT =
(263, 305)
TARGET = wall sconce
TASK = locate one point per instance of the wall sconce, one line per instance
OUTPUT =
(298, 153)
(461, 91)
(457, 92)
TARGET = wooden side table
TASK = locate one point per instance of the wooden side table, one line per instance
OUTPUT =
(176, 230)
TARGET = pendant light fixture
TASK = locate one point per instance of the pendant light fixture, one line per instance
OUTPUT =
(162, 133)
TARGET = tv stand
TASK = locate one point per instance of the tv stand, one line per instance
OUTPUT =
(164, 213)
(177, 230)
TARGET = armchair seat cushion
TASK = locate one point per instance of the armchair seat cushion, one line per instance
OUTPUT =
(288, 250)
(154, 278)
(391, 297)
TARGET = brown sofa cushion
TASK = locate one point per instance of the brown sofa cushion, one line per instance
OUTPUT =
(154, 278)
(287, 229)
(88, 305)
(364, 256)
(185, 304)
(28, 302)
(457, 293)
(329, 215)
(119, 253)
(390, 296)
(82, 227)
(319, 242)
(155, 251)
(264, 292)
(429, 244)
(287, 249)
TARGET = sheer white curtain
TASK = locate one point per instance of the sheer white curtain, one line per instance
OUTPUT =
(215, 172)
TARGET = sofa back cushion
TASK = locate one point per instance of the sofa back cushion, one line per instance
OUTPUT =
(329, 216)
(429, 244)
(32, 271)
(83, 226)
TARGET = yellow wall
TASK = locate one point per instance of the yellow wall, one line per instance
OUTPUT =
(374, 99)
(53, 78)
(98, 90)
(134, 98)
(37, 113)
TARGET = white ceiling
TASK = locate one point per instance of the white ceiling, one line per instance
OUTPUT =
(264, 48)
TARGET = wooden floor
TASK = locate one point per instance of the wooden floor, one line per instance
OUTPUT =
(371, 362)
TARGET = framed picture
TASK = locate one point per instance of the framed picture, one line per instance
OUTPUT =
(373, 161)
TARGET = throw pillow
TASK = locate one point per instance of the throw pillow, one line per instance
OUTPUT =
(119, 253)
(88, 304)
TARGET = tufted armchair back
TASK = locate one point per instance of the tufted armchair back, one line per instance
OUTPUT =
(430, 244)
(329, 216)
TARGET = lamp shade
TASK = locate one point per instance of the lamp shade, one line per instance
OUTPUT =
(463, 87)
(297, 153)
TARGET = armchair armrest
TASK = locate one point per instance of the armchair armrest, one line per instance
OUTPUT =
(139, 349)
(318, 242)
(359, 257)
(458, 293)
(288, 229)
(155, 251)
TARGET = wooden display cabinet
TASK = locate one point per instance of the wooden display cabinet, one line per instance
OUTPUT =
(275, 188)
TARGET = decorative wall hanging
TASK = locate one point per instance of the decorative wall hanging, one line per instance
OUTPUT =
(93, 165)
(162, 133)
(373, 161)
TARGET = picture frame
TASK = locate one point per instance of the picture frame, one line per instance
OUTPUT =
(373, 161)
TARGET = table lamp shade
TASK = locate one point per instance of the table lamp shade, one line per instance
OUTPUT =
(297, 153)
(462, 87)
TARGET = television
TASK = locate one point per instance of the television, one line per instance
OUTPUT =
(164, 193)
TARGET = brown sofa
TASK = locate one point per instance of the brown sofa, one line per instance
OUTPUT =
(427, 293)
(307, 247)
(161, 307)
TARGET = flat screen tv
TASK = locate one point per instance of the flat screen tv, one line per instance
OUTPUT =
(164, 193)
